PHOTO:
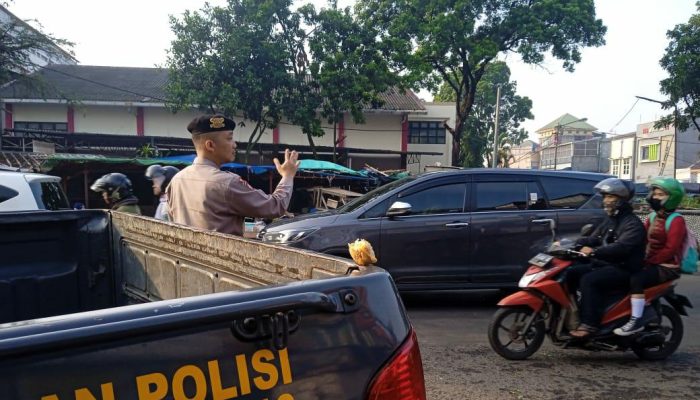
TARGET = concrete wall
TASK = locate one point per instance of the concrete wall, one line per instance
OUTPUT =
(105, 119)
(161, 122)
(39, 112)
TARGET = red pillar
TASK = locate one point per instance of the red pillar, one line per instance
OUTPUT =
(8, 116)
(404, 133)
(275, 135)
(70, 120)
(139, 121)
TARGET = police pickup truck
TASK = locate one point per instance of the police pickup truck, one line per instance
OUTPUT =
(104, 305)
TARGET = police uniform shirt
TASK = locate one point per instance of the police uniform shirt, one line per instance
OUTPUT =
(203, 196)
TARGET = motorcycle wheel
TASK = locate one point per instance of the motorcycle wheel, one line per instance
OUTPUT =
(672, 326)
(507, 338)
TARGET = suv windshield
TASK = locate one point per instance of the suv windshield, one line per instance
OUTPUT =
(49, 195)
(374, 194)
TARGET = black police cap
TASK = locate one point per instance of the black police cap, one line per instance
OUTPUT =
(210, 123)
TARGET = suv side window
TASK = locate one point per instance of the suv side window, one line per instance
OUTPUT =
(567, 193)
(378, 210)
(508, 196)
(49, 195)
(444, 199)
(6, 193)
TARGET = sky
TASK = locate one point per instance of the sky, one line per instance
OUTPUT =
(602, 89)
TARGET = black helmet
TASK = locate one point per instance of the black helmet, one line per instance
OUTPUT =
(167, 172)
(623, 189)
(618, 187)
(117, 186)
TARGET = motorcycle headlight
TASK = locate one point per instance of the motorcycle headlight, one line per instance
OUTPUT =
(527, 280)
(288, 235)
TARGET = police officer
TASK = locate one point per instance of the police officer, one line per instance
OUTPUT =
(203, 196)
(161, 177)
(117, 193)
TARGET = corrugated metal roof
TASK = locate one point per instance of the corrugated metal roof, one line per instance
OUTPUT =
(22, 160)
(137, 85)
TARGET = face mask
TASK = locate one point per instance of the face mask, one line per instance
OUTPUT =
(655, 204)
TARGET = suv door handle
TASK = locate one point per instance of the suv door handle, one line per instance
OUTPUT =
(457, 224)
(542, 221)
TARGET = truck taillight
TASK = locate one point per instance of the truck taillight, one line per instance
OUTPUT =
(402, 377)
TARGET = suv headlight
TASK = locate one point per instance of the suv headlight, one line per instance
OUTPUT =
(288, 235)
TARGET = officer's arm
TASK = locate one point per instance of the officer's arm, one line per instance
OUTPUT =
(246, 201)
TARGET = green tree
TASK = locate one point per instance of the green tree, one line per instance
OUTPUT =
(479, 125)
(231, 59)
(682, 62)
(453, 41)
(349, 70)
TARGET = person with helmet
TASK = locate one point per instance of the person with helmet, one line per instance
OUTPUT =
(616, 249)
(117, 193)
(161, 177)
(664, 248)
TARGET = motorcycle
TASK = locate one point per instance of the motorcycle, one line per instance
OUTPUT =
(543, 305)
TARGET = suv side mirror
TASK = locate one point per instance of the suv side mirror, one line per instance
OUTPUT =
(587, 230)
(398, 208)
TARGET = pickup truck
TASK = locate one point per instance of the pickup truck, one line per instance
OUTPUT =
(98, 305)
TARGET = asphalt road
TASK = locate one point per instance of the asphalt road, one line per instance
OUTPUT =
(459, 363)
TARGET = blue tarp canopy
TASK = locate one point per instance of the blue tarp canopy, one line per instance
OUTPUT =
(323, 168)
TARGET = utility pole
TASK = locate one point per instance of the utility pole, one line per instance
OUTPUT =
(495, 128)
(675, 131)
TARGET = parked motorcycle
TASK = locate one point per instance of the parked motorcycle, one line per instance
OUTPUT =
(542, 307)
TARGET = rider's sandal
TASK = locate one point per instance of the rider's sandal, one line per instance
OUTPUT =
(583, 331)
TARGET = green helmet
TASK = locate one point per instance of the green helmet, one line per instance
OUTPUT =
(672, 187)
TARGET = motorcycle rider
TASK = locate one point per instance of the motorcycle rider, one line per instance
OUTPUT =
(161, 177)
(663, 255)
(616, 248)
(117, 193)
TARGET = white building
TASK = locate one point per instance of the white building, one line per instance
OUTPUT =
(622, 155)
(131, 101)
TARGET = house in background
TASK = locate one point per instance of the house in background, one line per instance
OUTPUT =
(525, 155)
(131, 101)
(622, 155)
(38, 58)
(656, 151)
(570, 143)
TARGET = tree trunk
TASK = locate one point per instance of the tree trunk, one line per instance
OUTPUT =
(335, 135)
(312, 145)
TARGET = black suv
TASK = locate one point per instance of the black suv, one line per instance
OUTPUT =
(473, 228)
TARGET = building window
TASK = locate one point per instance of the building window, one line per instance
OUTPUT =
(616, 167)
(649, 153)
(41, 126)
(626, 166)
(426, 132)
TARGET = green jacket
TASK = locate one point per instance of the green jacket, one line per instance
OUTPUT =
(129, 208)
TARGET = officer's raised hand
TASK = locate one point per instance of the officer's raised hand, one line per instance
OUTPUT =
(290, 166)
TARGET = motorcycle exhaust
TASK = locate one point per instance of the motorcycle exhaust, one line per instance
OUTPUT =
(650, 339)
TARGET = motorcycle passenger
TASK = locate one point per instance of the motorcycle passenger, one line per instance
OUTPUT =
(616, 248)
(161, 177)
(117, 193)
(663, 255)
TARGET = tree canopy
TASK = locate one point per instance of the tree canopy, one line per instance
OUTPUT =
(270, 62)
(682, 62)
(434, 41)
(514, 110)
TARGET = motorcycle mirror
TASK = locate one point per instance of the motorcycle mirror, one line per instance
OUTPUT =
(587, 230)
